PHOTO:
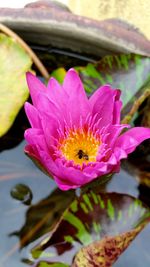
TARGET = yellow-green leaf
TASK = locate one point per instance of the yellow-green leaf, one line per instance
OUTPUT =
(14, 63)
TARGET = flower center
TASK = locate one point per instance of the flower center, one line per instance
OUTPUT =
(80, 146)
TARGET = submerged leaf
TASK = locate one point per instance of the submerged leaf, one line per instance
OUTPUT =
(42, 217)
(14, 63)
(128, 72)
(94, 224)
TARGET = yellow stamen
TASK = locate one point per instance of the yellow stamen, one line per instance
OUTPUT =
(80, 146)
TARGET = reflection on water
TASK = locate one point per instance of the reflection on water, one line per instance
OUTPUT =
(13, 211)
(16, 168)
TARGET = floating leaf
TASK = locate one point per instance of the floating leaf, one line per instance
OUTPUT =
(93, 224)
(128, 72)
(14, 62)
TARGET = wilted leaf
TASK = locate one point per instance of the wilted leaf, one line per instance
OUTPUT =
(104, 253)
(128, 72)
(14, 62)
(94, 223)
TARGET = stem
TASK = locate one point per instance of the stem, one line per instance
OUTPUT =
(135, 107)
(29, 51)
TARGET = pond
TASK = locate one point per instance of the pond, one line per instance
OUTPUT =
(21, 219)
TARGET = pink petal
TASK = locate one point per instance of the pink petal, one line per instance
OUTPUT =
(31, 133)
(55, 92)
(58, 95)
(77, 104)
(117, 112)
(35, 86)
(49, 109)
(120, 153)
(46, 106)
(51, 127)
(48, 163)
(43, 160)
(102, 103)
(31, 151)
(132, 138)
(117, 94)
(32, 115)
(97, 169)
(35, 137)
(70, 176)
(63, 185)
(114, 131)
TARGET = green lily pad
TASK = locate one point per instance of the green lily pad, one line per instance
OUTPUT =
(14, 63)
(97, 228)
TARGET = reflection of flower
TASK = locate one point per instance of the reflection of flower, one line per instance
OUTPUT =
(73, 138)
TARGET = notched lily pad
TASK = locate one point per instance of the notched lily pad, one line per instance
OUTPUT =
(128, 72)
(14, 63)
(95, 229)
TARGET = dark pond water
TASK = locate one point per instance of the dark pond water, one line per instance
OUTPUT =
(25, 197)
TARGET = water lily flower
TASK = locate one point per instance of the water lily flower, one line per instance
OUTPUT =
(75, 139)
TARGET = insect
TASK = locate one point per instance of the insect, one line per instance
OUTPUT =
(82, 155)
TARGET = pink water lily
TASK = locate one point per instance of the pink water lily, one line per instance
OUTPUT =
(73, 138)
